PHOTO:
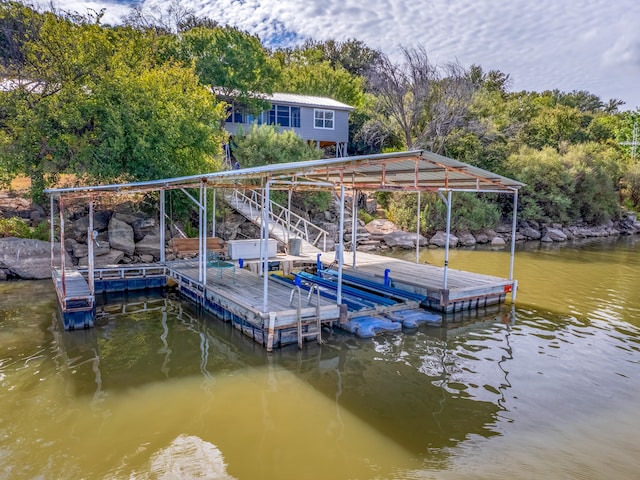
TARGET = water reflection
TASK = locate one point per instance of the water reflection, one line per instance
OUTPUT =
(553, 390)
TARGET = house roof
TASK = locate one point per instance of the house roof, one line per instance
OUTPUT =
(307, 101)
(417, 170)
(292, 99)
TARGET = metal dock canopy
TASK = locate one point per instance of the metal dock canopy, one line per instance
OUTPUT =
(417, 170)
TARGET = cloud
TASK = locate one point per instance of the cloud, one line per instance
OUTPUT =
(591, 45)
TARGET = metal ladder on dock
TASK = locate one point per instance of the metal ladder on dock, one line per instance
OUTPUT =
(302, 335)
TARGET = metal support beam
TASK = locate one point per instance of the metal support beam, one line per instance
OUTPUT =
(62, 256)
(52, 232)
(448, 236)
(162, 226)
(340, 249)
(418, 231)
(354, 225)
(90, 254)
(513, 234)
(264, 251)
(514, 287)
(213, 214)
(202, 245)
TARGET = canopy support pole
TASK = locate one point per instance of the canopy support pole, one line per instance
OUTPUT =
(354, 226)
(213, 214)
(340, 249)
(90, 255)
(514, 288)
(162, 225)
(448, 236)
(418, 231)
(264, 251)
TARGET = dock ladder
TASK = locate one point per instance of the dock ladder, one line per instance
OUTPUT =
(302, 335)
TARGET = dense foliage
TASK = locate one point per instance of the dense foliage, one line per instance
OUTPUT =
(264, 145)
(148, 100)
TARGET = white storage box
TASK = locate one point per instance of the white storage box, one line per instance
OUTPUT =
(249, 249)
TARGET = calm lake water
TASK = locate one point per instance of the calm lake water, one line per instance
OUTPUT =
(548, 389)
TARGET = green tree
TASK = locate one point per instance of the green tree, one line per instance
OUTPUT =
(232, 61)
(265, 145)
(96, 106)
(549, 188)
(424, 102)
(158, 123)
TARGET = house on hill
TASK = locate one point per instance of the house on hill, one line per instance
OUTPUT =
(319, 120)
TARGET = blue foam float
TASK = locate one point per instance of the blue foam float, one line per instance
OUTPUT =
(413, 318)
(368, 326)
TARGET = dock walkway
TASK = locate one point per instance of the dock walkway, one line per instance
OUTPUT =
(465, 290)
(236, 295)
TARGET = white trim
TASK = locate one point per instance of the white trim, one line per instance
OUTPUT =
(324, 118)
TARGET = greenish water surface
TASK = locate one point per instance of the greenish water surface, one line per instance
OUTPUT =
(546, 389)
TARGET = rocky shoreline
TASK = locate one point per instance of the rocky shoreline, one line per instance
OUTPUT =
(126, 236)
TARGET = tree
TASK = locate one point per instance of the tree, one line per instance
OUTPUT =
(321, 79)
(352, 55)
(233, 62)
(424, 101)
(265, 145)
(158, 123)
(97, 107)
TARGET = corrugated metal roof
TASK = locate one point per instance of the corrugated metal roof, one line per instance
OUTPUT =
(307, 100)
(409, 171)
(291, 99)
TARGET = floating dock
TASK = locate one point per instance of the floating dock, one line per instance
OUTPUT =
(278, 309)
(464, 290)
(296, 311)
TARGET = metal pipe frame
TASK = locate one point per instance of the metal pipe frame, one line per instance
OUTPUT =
(162, 225)
(90, 254)
(264, 251)
(340, 249)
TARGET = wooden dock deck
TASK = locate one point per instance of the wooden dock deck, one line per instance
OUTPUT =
(236, 295)
(465, 290)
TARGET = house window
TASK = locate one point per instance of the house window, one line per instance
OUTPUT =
(323, 119)
(282, 115)
(238, 115)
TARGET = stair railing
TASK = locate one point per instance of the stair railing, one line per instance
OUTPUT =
(288, 222)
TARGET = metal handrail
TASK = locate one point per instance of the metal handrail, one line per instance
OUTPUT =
(291, 223)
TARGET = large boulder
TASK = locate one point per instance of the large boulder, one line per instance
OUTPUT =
(440, 239)
(380, 227)
(530, 233)
(555, 235)
(113, 257)
(466, 239)
(29, 259)
(149, 245)
(402, 239)
(498, 242)
(82, 249)
(143, 227)
(121, 236)
(81, 225)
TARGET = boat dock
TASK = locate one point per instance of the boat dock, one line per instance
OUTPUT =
(279, 299)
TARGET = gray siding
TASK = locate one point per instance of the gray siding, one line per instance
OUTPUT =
(307, 130)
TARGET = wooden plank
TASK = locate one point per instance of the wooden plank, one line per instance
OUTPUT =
(192, 245)
(245, 291)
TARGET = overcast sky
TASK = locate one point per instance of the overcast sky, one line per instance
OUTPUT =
(591, 45)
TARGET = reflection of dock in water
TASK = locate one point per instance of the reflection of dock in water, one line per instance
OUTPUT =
(407, 387)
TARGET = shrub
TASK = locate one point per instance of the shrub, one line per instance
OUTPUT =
(16, 227)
